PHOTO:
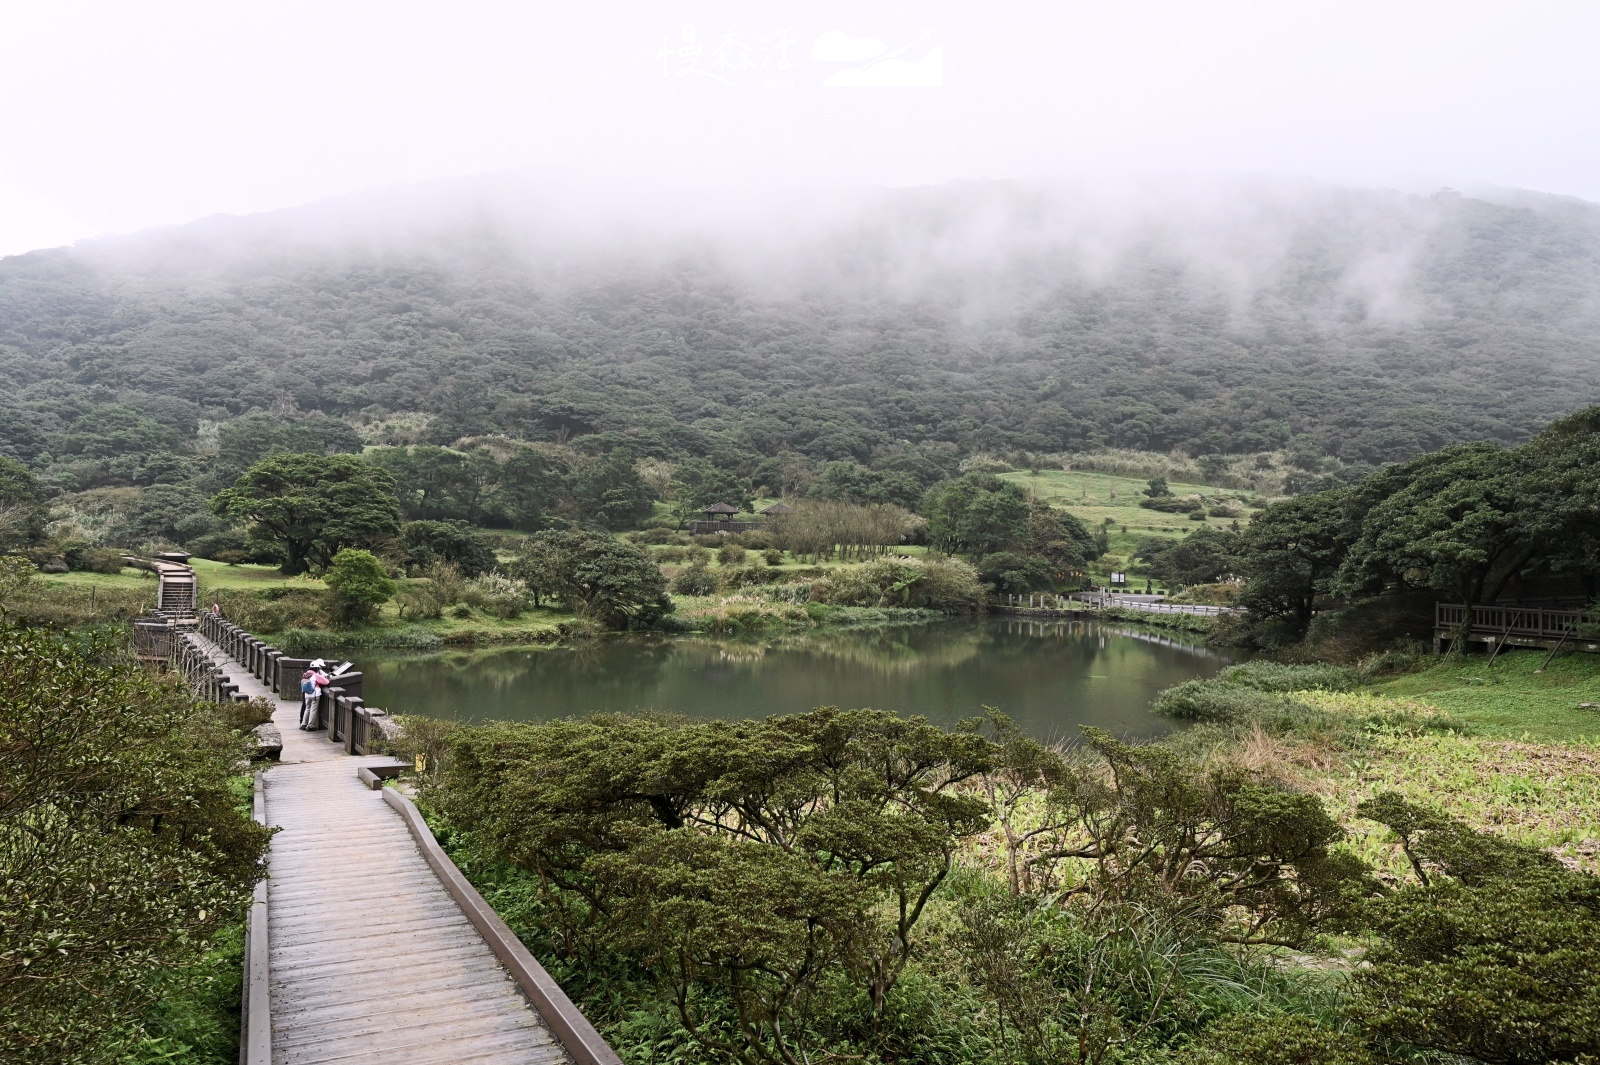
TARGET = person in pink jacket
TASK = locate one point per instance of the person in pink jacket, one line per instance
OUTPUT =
(312, 681)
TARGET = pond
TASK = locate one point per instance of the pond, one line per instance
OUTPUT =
(1049, 676)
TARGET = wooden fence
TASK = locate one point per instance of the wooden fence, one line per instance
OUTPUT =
(1532, 622)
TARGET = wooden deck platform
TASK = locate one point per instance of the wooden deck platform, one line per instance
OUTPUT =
(1502, 625)
(371, 958)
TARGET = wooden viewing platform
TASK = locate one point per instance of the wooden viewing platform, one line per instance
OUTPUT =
(1509, 625)
(375, 946)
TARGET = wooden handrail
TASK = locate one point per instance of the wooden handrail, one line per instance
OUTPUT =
(566, 1021)
(255, 1035)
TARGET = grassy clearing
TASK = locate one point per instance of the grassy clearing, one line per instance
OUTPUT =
(1501, 747)
(1095, 497)
(127, 578)
(246, 576)
(1509, 699)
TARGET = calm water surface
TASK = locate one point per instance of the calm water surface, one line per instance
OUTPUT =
(1051, 677)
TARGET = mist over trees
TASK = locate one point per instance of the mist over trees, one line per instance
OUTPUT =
(1370, 326)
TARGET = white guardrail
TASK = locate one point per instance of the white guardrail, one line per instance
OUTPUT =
(1052, 601)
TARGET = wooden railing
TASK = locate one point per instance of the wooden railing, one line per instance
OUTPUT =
(1078, 600)
(1544, 623)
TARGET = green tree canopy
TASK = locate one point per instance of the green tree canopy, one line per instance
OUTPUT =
(1465, 522)
(164, 514)
(311, 507)
(426, 542)
(22, 514)
(245, 441)
(122, 851)
(851, 482)
(696, 484)
(359, 584)
(1290, 552)
(596, 576)
(433, 483)
(975, 514)
(608, 491)
(1205, 556)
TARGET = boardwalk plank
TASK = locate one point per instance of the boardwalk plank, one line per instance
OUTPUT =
(370, 957)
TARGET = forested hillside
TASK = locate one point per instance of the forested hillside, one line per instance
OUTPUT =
(1371, 324)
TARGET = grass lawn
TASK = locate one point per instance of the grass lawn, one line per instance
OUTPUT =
(1508, 699)
(128, 578)
(245, 576)
(1094, 497)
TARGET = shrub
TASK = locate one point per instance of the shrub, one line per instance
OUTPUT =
(708, 540)
(696, 580)
(496, 594)
(230, 546)
(940, 584)
(671, 554)
(17, 575)
(242, 717)
(1172, 504)
(263, 612)
(1491, 953)
(419, 599)
(656, 536)
(731, 554)
(1253, 1039)
(96, 560)
(788, 593)
(1277, 677)
(359, 584)
(428, 543)
(772, 556)
(109, 881)
(446, 580)
(597, 576)
(1010, 571)
(1200, 700)
(1254, 691)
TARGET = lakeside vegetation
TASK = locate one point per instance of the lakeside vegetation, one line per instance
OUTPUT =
(127, 859)
(1031, 935)
(1354, 853)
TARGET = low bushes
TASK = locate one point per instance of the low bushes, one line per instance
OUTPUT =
(274, 610)
(124, 856)
(496, 594)
(1202, 700)
(1173, 504)
(1254, 692)
(695, 581)
(949, 585)
(1277, 677)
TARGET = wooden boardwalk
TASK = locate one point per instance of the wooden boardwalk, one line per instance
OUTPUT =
(370, 957)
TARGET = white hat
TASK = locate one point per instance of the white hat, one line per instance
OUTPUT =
(317, 663)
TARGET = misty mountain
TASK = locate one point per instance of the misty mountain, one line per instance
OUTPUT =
(996, 316)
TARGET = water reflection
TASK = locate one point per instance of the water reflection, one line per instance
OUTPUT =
(1049, 676)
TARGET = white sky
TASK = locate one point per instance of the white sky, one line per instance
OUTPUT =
(121, 116)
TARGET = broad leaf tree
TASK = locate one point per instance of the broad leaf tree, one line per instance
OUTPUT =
(595, 575)
(311, 507)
